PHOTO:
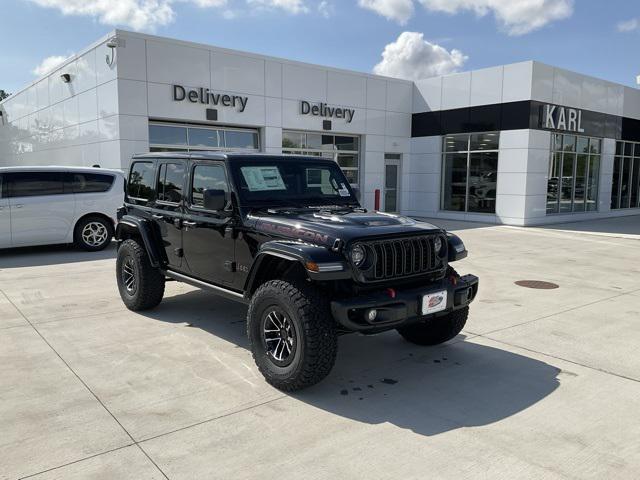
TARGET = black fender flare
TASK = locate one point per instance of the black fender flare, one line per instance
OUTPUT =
(296, 253)
(455, 247)
(129, 225)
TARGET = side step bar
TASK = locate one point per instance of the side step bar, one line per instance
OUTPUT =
(224, 292)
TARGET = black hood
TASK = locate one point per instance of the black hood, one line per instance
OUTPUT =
(325, 228)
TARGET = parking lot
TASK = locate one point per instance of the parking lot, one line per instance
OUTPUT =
(542, 384)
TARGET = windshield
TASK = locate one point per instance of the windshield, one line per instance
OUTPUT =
(300, 182)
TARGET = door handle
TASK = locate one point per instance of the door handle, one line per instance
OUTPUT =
(19, 205)
(157, 217)
(189, 224)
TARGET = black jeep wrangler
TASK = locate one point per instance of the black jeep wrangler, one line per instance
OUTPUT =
(287, 235)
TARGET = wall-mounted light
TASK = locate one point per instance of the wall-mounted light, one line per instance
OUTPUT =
(111, 56)
(65, 77)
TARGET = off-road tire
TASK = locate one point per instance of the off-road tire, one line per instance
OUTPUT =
(317, 340)
(436, 330)
(80, 242)
(149, 288)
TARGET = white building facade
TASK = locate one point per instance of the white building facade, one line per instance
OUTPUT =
(520, 144)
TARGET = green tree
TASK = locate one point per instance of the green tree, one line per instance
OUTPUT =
(3, 94)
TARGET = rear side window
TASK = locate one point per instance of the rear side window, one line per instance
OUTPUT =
(32, 184)
(207, 177)
(170, 182)
(141, 181)
(91, 182)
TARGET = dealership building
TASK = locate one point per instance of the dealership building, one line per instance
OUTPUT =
(519, 144)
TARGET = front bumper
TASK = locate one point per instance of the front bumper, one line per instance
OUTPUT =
(401, 307)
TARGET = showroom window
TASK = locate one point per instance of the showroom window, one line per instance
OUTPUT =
(469, 172)
(574, 170)
(166, 137)
(625, 184)
(344, 149)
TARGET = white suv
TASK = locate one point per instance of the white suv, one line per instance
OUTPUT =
(48, 205)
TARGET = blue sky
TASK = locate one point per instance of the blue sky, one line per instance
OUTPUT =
(580, 35)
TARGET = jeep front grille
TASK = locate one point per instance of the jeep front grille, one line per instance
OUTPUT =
(403, 257)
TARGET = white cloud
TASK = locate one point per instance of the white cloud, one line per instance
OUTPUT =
(137, 14)
(517, 17)
(290, 6)
(629, 25)
(412, 57)
(326, 9)
(397, 10)
(48, 64)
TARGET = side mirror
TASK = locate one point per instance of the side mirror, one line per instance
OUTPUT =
(215, 200)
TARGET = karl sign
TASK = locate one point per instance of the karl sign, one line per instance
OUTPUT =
(324, 110)
(207, 97)
(555, 117)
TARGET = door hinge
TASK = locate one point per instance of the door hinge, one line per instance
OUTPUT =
(179, 252)
(230, 266)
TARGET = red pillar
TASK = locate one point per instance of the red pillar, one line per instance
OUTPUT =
(377, 199)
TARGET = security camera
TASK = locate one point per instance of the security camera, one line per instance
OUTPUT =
(66, 78)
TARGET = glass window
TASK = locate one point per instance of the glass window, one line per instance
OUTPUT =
(204, 137)
(470, 176)
(574, 169)
(592, 184)
(635, 173)
(625, 183)
(91, 182)
(170, 182)
(167, 135)
(293, 140)
(240, 139)
(341, 148)
(615, 185)
(554, 182)
(456, 143)
(454, 188)
(207, 177)
(186, 138)
(346, 143)
(31, 184)
(483, 172)
(140, 185)
(484, 141)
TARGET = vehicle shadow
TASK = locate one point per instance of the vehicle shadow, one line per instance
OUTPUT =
(624, 225)
(51, 255)
(382, 378)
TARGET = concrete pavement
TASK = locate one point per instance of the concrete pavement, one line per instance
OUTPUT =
(542, 384)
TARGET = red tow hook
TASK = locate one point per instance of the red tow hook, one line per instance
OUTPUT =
(391, 292)
(454, 280)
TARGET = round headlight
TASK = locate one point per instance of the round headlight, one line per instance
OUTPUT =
(437, 244)
(358, 254)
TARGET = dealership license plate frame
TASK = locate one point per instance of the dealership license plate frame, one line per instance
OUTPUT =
(426, 299)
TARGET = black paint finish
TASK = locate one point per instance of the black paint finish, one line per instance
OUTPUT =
(516, 116)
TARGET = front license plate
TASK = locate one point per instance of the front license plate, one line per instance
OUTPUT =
(434, 302)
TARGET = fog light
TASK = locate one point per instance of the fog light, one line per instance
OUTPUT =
(372, 314)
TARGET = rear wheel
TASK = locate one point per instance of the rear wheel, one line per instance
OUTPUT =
(292, 334)
(93, 233)
(141, 285)
(436, 330)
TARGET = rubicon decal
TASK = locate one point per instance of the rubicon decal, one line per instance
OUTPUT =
(207, 97)
(299, 233)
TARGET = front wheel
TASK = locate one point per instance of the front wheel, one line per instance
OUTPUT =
(293, 337)
(436, 330)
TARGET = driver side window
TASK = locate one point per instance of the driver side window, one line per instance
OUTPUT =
(207, 177)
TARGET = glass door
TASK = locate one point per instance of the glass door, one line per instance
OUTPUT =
(391, 182)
